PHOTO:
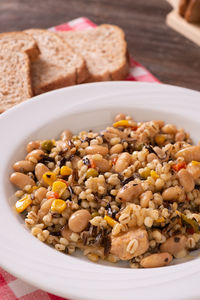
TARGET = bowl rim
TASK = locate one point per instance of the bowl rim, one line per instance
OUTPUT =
(103, 89)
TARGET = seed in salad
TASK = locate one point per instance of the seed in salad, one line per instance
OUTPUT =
(65, 171)
(110, 221)
(23, 203)
(154, 175)
(58, 206)
(91, 173)
(59, 187)
(49, 177)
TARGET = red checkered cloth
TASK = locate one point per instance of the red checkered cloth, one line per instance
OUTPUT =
(12, 288)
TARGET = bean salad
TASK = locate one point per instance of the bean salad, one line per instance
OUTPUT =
(130, 192)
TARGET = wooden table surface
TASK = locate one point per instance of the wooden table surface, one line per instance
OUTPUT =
(169, 56)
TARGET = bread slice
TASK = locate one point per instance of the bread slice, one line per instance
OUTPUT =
(57, 65)
(192, 13)
(104, 49)
(19, 41)
(15, 83)
(183, 4)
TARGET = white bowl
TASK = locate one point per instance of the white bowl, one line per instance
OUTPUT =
(89, 106)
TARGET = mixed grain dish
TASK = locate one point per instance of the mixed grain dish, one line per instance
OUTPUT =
(130, 192)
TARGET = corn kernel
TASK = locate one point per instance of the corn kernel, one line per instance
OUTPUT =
(33, 188)
(110, 221)
(145, 173)
(91, 173)
(64, 171)
(125, 123)
(160, 139)
(160, 220)
(23, 203)
(178, 213)
(49, 177)
(58, 205)
(59, 187)
(154, 175)
(195, 163)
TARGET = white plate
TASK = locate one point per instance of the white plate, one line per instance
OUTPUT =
(89, 106)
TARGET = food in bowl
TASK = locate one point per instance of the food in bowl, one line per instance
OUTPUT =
(129, 192)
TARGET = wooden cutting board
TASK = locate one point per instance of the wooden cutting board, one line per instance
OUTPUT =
(178, 23)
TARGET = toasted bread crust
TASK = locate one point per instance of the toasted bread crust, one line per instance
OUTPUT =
(45, 61)
(183, 6)
(69, 68)
(82, 73)
(78, 40)
(123, 69)
(20, 41)
(15, 85)
(192, 13)
(47, 86)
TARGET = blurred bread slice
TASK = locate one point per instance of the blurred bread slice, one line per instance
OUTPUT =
(192, 13)
(19, 41)
(104, 49)
(15, 82)
(183, 4)
(57, 65)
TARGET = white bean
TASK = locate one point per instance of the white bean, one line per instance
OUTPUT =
(66, 135)
(186, 180)
(194, 170)
(156, 260)
(45, 207)
(174, 244)
(23, 166)
(190, 153)
(172, 193)
(40, 169)
(79, 220)
(145, 198)
(32, 146)
(40, 194)
(21, 180)
(123, 162)
(116, 149)
(37, 154)
(96, 149)
(102, 165)
(130, 191)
